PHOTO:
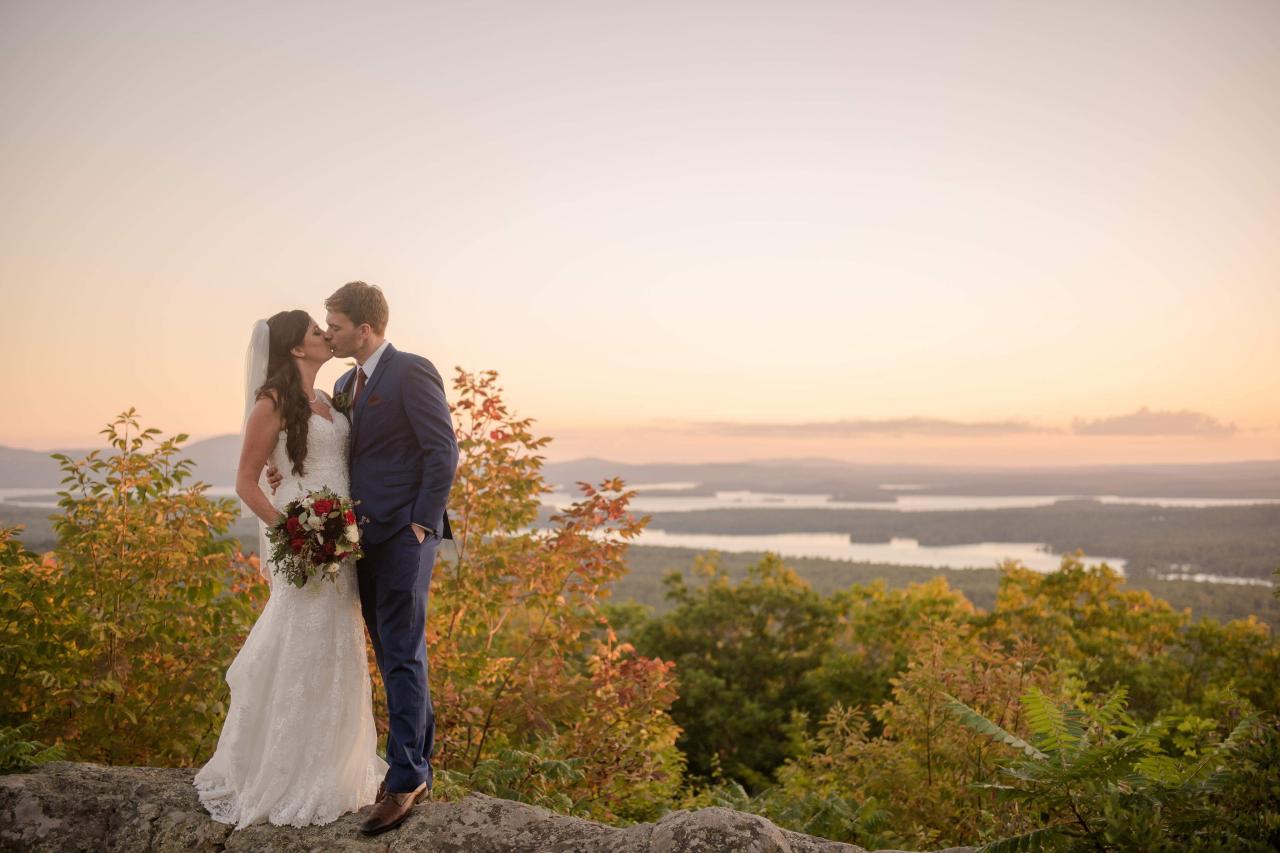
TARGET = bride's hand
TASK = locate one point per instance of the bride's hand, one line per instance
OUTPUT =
(274, 477)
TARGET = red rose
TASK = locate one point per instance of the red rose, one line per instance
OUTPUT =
(323, 506)
(292, 524)
(329, 548)
(349, 517)
(296, 545)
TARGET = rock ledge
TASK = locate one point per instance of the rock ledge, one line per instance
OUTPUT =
(66, 807)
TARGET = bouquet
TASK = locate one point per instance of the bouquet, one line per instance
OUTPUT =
(318, 531)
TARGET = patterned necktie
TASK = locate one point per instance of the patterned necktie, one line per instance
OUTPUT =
(359, 386)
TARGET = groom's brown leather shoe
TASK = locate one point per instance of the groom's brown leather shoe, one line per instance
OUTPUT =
(391, 811)
(382, 792)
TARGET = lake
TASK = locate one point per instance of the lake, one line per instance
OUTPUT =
(898, 551)
(902, 551)
(763, 500)
(902, 503)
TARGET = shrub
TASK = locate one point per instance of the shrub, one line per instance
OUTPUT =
(1099, 781)
(115, 644)
(524, 665)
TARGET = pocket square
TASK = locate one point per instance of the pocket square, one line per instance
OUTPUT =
(375, 400)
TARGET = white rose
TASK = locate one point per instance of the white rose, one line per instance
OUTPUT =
(315, 522)
(353, 533)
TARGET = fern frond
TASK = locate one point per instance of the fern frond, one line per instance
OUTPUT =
(1107, 764)
(1049, 722)
(1210, 759)
(1031, 771)
(1240, 732)
(1114, 708)
(1159, 768)
(1076, 723)
(982, 725)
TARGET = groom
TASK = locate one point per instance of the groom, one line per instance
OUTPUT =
(402, 455)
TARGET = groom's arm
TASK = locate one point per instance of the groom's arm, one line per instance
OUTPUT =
(428, 413)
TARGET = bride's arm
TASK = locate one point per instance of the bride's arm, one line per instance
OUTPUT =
(260, 435)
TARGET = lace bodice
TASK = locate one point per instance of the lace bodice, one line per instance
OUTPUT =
(326, 462)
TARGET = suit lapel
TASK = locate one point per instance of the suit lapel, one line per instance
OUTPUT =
(384, 365)
(345, 385)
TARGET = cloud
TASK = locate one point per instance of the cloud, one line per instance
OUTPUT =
(875, 426)
(1146, 422)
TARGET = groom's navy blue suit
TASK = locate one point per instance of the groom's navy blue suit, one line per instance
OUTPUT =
(403, 454)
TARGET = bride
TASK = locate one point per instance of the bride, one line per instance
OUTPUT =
(298, 746)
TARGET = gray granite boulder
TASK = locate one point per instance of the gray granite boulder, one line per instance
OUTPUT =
(67, 807)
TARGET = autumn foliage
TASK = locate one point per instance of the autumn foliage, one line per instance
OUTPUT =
(523, 660)
(115, 644)
(855, 694)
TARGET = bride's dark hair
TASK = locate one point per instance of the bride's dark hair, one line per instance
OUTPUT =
(284, 384)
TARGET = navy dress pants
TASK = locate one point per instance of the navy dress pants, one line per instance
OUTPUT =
(395, 577)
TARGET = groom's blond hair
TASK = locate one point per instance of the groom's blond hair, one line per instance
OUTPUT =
(363, 303)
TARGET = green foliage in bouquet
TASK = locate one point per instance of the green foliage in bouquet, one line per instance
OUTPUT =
(113, 646)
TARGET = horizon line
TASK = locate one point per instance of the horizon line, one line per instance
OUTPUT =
(790, 459)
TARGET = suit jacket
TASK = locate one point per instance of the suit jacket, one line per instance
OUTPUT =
(403, 450)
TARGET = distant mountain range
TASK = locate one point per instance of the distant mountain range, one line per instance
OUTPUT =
(216, 460)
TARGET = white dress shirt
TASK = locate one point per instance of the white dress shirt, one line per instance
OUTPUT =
(371, 363)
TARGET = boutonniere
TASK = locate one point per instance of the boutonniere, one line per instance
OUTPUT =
(342, 402)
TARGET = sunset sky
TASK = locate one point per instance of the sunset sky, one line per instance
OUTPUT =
(939, 232)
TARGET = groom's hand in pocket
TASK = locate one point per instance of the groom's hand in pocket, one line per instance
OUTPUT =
(274, 477)
(419, 531)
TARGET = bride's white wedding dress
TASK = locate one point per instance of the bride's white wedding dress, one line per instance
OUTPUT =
(299, 746)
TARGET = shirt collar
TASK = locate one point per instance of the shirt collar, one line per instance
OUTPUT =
(371, 363)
